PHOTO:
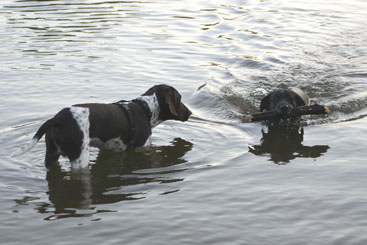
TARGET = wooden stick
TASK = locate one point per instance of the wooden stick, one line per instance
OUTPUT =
(260, 116)
(310, 110)
(295, 112)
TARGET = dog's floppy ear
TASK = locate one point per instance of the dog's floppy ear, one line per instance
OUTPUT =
(171, 98)
(301, 97)
(300, 101)
(171, 107)
(265, 103)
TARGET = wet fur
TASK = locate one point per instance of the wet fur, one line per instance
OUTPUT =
(283, 100)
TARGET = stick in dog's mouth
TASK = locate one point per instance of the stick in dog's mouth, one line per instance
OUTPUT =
(296, 112)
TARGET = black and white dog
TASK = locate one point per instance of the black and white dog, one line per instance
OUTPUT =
(113, 127)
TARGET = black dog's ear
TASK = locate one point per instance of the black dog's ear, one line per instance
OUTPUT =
(264, 103)
(301, 97)
(300, 101)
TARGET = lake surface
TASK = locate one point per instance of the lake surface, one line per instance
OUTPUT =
(215, 179)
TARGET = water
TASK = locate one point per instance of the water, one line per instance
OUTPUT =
(215, 179)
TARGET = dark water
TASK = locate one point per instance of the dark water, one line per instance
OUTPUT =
(215, 179)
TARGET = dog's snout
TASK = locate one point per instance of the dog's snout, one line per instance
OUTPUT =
(187, 113)
(284, 108)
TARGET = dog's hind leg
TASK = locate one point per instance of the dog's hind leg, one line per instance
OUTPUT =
(81, 117)
(52, 151)
(77, 150)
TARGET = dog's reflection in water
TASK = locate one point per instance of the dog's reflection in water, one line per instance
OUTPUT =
(284, 143)
(114, 177)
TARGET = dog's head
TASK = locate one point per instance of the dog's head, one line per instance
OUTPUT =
(170, 103)
(284, 100)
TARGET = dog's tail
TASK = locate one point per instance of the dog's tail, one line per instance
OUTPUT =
(40, 132)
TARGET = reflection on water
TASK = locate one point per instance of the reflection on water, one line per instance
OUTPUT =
(285, 144)
(113, 178)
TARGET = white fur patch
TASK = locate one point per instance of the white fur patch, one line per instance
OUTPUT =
(115, 145)
(81, 115)
(152, 102)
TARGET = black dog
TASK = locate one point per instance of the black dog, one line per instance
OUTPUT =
(283, 101)
(113, 127)
(281, 110)
(285, 105)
